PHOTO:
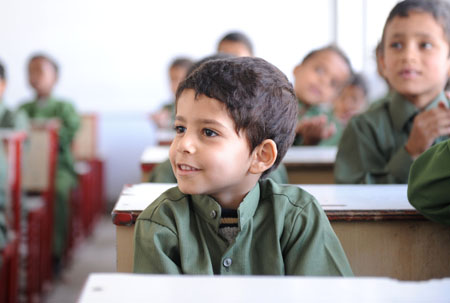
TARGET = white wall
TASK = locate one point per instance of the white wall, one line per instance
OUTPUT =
(114, 54)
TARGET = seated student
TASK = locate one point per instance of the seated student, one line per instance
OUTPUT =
(351, 101)
(380, 145)
(318, 81)
(429, 182)
(236, 44)
(163, 173)
(43, 74)
(9, 118)
(177, 72)
(235, 120)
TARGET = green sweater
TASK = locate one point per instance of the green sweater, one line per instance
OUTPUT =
(372, 147)
(283, 231)
(429, 183)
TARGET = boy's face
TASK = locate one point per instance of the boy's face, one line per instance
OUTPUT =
(350, 102)
(416, 57)
(237, 49)
(176, 75)
(42, 76)
(2, 88)
(320, 78)
(207, 155)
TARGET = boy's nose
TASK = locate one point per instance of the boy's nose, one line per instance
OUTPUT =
(186, 144)
(409, 52)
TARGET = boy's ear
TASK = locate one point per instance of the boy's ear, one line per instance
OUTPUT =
(296, 69)
(264, 155)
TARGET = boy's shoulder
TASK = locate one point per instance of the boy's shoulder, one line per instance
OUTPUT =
(172, 199)
(291, 195)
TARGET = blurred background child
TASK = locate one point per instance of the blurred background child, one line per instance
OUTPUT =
(43, 75)
(235, 43)
(318, 81)
(177, 72)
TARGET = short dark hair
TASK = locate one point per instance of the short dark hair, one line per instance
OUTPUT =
(47, 58)
(358, 80)
(206, 59)
(2, 71)
(331, 48)
(257, 95)
(183, 62)
(439, 9)
(237, 37)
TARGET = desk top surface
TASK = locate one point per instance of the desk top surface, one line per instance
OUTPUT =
(296, 154)
(350, 201)
(116, 287)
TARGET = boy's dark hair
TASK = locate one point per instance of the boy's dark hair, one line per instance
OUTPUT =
(439, 9)
(332, 48)
(237, 37)
(206, 59)
(183, 62)
(359, 81)
(257, 95)
(48, 59)
(2, 71)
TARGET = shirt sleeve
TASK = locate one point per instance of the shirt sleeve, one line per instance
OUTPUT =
(70, 121)
(155, 249)
(362, 160)
(429, 182)
(314, 249)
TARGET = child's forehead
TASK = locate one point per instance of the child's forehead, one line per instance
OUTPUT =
(404, 24)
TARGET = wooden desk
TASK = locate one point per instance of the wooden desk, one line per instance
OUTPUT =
(113, 287)
(379, 230)
(305, 165)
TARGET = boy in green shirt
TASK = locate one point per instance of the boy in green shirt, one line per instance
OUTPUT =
(429, 181)
(43, 74)
(235, 120)
(318, 81)
(380, 145)
(236, 44)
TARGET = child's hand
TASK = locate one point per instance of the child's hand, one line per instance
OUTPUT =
(315, 129)
(428, 126)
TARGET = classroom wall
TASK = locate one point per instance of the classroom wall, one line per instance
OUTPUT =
(114, 54)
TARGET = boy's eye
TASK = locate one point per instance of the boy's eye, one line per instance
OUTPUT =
(209, 133)
(179, 129)
(425, 45)
(396, 45)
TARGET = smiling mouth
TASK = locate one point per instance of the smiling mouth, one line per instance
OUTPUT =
(409, 73)
(184, 168)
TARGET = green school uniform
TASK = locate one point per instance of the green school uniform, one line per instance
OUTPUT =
(163, 173)
(283, 231)
(372, 147)
(309, 111)
(66, 177)
(9, 119)
(429, 183)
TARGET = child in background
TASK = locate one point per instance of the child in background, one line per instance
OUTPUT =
(318, 81)
(380, 145)
(8, 118)
(42, 75)
(429, 182)
(352, 100)
(177, 72)
(235, 120)
(236, 44)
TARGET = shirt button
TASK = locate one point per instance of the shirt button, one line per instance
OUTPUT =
(227, 262)
(213, 214)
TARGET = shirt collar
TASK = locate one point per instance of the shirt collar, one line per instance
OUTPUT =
(210, 211)
(401, 110)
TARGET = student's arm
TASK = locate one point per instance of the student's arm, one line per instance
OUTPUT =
(70, 122)
(362, 158)
(429, 183)
(155, 249)
(313, 248)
